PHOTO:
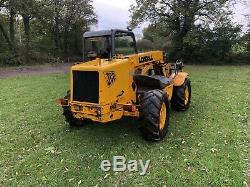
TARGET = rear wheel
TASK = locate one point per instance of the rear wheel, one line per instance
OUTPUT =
(181, 96)
(69, 118)
(154, 113)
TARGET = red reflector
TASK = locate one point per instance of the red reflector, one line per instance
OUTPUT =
(130, 108)
(133, 108)
(63, 102)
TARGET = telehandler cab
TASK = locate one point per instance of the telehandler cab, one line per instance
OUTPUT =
(114, 80)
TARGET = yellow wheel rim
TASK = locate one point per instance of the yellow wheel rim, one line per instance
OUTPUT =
(186, 95)
(163, 116)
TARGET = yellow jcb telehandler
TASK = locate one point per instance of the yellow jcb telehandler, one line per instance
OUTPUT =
(114, 80)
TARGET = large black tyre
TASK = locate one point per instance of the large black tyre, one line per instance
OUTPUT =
(69, 118)
(181, 96)
(155, 119)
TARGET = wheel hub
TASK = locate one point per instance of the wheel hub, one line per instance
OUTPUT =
(163, 115)
(186, 95)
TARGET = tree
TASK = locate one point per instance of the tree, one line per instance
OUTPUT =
(38, 28)
(160, 35)
(145, 45)
(6, 36)
(12, 14)
(203, 43)
(3, 8)
(77, 16)
(178, 15)
(206, 45)
(67, 20)
(28, 9)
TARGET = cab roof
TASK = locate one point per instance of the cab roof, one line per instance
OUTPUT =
(103, 33)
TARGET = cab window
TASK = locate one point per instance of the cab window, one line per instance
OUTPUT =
(124, 44)
(97, 47)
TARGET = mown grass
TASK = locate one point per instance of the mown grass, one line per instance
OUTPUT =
(206, 146)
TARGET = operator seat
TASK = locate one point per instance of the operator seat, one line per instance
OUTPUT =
(152, 82)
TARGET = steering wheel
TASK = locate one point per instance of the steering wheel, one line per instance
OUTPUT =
(178, 65)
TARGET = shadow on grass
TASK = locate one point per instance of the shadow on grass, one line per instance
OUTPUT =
(125, 129)
(123, 132)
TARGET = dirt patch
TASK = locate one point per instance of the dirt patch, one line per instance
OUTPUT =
(34, 70)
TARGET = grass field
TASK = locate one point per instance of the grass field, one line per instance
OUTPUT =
(209, 145)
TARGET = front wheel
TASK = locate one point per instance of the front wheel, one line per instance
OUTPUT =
(154, 113)
(69, 118)
(181, 96)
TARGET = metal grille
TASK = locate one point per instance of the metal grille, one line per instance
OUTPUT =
(86, 86)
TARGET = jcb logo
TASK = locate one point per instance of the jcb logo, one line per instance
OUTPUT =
(145, 59)
(110, 78)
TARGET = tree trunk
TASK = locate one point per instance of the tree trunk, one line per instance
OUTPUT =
(26, 23)
(6, 37)
(66, 40)
(77, 48)
(56, 26)
(56, 33)
(66, 43)
(12, 28)
(178, 39)
(177, 47)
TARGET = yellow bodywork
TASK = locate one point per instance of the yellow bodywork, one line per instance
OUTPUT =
(118, 97)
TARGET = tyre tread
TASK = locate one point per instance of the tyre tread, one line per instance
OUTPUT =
(151, 104)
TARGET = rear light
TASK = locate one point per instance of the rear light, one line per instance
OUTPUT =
(63, 102)
(133, 108)
(130, 108)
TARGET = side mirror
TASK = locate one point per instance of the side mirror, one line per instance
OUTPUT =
(166, 57)
(179, 64)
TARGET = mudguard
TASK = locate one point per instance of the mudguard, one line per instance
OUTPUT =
(156, 81)
(179, 78)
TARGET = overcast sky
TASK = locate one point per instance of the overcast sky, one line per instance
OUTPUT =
(115, 14)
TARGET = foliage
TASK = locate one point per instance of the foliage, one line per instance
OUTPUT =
(206, 45)
(205, 146)
(178, 16)
(144, 45)
(49, 27)
(246, 40)
(212, 43)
